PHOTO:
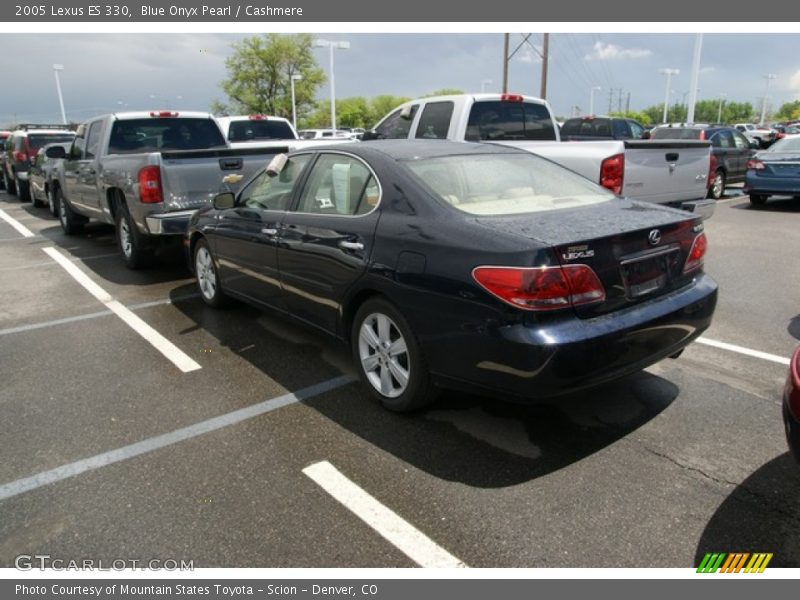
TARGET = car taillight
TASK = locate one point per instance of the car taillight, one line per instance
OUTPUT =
(712, 169)
(541, 288)
(793, 384)
(695, 259)
(163, 113)
(150, 184)
(510, 98)
(755, 164)
(612, 172)
(20, 156)
(257, 117)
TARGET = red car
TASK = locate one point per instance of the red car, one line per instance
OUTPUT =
(791, 405)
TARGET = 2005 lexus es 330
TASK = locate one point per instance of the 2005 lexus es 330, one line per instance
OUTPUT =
(454, 265)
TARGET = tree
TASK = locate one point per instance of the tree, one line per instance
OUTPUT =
(444, 92)
(382, 105)
(788, 111)
(705, 111)
(260, 72)
(641, 117)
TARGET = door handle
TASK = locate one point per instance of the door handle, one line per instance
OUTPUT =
(269, 231)
(355, 246)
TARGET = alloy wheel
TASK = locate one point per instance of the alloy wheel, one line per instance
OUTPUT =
(206, 274)
(384, 355)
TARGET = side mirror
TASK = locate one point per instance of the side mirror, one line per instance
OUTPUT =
(646, 135)
(56, 152)
(370, 135)
(224, 201)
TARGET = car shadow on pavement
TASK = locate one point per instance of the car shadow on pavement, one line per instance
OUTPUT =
(479, 441)
(794, 327)
(761, 515)
(169, 263)
(781, 205)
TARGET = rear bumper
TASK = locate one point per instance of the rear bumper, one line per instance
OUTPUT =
(760, 184)
(536, 361)
(175, 223)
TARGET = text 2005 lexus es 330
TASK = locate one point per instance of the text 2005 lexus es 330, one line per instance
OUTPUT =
(468, 266)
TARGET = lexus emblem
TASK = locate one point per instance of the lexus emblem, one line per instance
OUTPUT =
(654, 237)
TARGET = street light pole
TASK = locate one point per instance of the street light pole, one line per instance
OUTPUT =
(669, 73)
(331, 45)
(769, 77)
(722, 96)
(294, 105)
(56, 69)
(592, 90)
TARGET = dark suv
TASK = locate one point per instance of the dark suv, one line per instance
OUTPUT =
(601, 128)
(21, 148)
(730, 151)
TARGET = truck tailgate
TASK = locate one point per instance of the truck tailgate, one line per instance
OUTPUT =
(190, 179)
(668, 171)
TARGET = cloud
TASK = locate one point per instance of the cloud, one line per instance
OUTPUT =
(603, 51)
(794, 82)
(528, 55)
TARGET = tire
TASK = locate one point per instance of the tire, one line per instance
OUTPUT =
(52, 204)
(758, 199)
(23, 189)
(34, 200)
(132, 244)
(207, 276)
(71, 222)
(9, 183)
(388, 358)
(717, 189)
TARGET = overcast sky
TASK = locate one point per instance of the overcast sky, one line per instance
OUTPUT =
(144, 71)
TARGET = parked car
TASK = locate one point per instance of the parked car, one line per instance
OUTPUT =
(472, 266)
(3, 137)
(775, 171)
(321, 134)
(41, 175)
(146, 173)
(762, 135)
(670, 172)
(21, 148)
(729, 148)
(591, 127)
(791, 405)
(261, 131)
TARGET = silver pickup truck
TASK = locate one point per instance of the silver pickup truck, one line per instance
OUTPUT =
(674, 172)
(147, 173)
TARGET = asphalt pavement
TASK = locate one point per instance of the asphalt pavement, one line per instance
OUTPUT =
(110, 451)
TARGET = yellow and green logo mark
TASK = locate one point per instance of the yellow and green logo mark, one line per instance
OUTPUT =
(721, 562)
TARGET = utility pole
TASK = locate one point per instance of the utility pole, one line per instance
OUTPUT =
(619, 100)
(505, 63)
(628, 104)
(769, 77)
(545, 48)
(610, 99)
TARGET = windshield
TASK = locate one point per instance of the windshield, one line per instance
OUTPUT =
(245, 131)
(506, 121)
(506, 184)
(164, 134)
(587, 127)
(786, 145)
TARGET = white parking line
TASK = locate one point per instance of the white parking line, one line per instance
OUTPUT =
(781, 360)
(174, 354)
(399, 532)
(20, 486)
(50, 264)
(16, 224)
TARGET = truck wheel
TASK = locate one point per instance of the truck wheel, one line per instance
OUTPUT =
(717, 189)
(132, 244)
(23, 189)
(758, 199)
(9, 183)
(71, 222)
(207, 275)
(389, 359)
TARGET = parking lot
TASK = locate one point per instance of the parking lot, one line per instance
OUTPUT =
(137, 423)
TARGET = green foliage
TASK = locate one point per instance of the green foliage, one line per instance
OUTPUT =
(705, 111)
(355, 111)
(788, 111)
(444, 92)
(260, 71)
(641, 117)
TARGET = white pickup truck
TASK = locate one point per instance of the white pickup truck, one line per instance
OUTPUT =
(265, 132)
(673, 172)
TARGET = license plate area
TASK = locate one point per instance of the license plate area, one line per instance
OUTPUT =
(648, 273)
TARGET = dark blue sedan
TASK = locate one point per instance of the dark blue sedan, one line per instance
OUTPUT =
(774, 172)
(466, 266)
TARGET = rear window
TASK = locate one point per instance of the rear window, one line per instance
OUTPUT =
(675, 133)
(586, 127)
(244, 131)
(506, 121)
(38, 140)
(164, 134)
(505, 184)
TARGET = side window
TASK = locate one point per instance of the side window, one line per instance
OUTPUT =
(339, 185)
(435, 121)
(274, 193)
(93, 140)
(637, 131)
(395, 127)
(621, 129)
(741, 141)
